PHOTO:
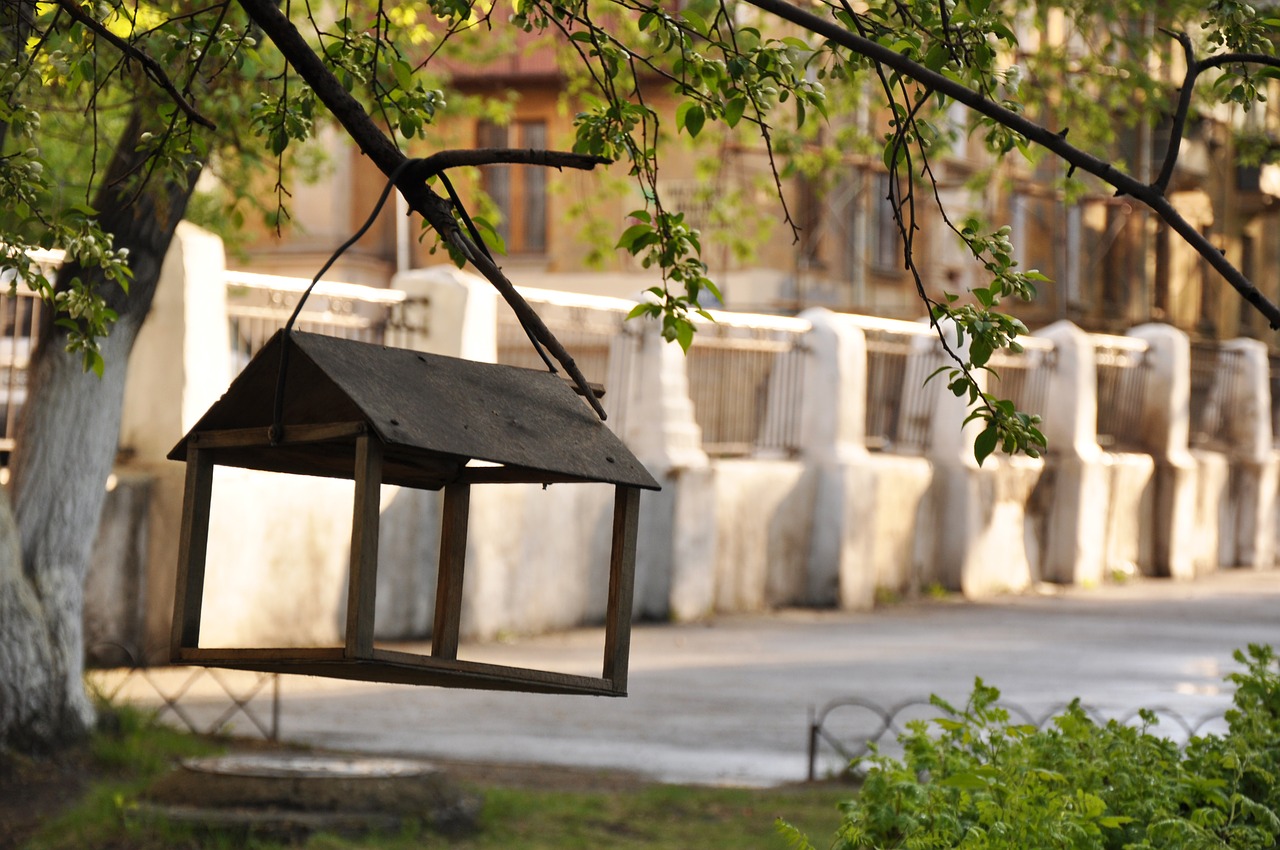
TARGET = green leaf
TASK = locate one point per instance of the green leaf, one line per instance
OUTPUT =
(489, 234)
(693, 121)
(733, 111)
(403, 74)
(964, 781)
(985, 444)
(684, 334)
(632, 234)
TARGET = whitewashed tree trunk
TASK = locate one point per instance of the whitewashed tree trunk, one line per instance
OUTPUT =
(59, 481)
(66, 446)
(29, 707)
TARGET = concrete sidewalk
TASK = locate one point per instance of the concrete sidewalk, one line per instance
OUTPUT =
(728, 701)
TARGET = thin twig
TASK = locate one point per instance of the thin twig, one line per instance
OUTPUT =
(1038, 134)
(149, 65)
(1161, 183)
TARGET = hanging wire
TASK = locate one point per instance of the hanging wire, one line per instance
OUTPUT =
(276, 430)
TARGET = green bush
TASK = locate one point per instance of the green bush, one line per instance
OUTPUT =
(975, 781)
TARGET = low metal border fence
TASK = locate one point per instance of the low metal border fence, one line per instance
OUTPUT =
(889, 723)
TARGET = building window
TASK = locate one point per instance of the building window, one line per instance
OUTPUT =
(518, 191)
(886, 236)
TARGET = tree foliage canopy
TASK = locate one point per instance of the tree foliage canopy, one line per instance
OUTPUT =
(240, 84)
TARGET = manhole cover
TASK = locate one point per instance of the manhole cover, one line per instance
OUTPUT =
(297, 766)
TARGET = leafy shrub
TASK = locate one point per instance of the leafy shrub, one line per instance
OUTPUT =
(975, 781)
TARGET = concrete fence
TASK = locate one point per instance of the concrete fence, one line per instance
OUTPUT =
(804, 461)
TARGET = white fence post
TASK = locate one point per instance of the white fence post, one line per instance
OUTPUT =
(1248, 536)
(675, 559)
(180, 363)
(1179, 541)
(841, 570)
(1073, 549)
(460, 309)
(977, 542)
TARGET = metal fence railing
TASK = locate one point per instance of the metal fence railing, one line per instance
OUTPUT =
(1024, 377)
(901, 398)
(597, 337)
(1273, 362)
(1122, 370)
(587, 334)
(746, 385)
(20, 319)
(1217, 376)
(900, 404)
(258, 305)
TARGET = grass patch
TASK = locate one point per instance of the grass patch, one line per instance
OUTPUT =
(127, 752)
(131, 751)
(659, 816)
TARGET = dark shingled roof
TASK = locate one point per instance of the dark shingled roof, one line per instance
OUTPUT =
(433, 414)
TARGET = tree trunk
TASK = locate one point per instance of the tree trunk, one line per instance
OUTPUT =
(66, 446)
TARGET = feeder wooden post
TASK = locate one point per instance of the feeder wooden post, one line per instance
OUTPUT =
(193, 547)
(453, 555)
(617, 637)
(362, 589)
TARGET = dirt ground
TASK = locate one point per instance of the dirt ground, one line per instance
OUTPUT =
(32, 791)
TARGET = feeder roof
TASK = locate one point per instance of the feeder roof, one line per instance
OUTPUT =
(435, 416)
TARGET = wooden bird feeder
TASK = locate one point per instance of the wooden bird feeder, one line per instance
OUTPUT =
(380, 415)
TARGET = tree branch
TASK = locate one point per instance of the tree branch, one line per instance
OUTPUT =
(442, 160)
(383, 153)
(150, 66)
(1125, 184)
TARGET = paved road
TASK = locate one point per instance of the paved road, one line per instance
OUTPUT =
(728, 701)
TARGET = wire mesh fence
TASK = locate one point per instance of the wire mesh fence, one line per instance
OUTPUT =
(203, 700)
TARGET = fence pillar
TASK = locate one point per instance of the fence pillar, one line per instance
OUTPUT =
(1177, 536)
(1073, 492)
(841, 570)
(977, 541)
(866, 504)
(1248, 534)
(180, 362)
(675, 556)
(460, 311)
